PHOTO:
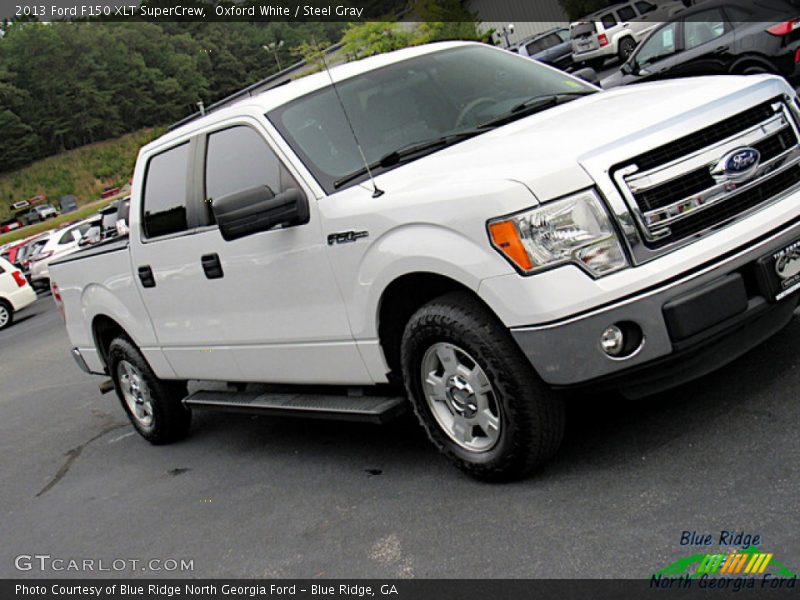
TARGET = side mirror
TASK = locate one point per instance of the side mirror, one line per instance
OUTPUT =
(259, 209)
(629, 67)
(587, 74)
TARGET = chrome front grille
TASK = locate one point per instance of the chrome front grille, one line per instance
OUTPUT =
(678, 190)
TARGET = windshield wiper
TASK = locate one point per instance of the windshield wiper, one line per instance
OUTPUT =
(533, 105)
(395, 157)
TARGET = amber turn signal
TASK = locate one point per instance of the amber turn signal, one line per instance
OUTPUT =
(505, 237)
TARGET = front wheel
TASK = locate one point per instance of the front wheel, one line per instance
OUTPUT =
(154, 406)
(475, 393)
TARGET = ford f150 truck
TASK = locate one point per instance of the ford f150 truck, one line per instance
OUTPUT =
(451, 226)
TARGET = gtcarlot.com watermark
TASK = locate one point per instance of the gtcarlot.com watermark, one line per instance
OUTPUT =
(46, 562)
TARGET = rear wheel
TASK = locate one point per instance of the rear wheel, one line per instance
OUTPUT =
(475, 393)
(626, 47)
(6, 314)
(153, 405)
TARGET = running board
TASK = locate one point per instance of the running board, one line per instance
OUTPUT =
(370, 409)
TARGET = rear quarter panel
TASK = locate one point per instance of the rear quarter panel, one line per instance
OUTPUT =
(104, 284)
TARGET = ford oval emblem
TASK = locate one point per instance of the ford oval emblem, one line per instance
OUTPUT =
(741, 160)
(737, 165)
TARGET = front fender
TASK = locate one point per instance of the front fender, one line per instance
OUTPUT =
(418, 248)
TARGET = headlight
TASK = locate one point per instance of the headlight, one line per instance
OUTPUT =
(574, 230)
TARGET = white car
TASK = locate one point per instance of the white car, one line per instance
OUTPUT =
(15, 292)
(62, 242)
(617, 29)
(514, 233)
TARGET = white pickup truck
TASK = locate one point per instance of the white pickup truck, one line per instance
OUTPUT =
(517, 232)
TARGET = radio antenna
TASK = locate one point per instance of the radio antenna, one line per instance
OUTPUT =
(376, 191)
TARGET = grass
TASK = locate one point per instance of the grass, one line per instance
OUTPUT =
(77, 215)
(83, 172)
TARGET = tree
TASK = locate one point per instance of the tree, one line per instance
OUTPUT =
(375, 37)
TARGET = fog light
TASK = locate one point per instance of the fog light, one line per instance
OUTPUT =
(613, 341)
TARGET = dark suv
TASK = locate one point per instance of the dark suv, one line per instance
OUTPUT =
(719, 38)
(551, 47)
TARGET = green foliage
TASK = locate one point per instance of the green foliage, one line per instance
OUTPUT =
(312, 53)
(67, 84)
(437, 21)
(375, 37)
(83, 172)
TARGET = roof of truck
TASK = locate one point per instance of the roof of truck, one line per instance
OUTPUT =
(272, 98)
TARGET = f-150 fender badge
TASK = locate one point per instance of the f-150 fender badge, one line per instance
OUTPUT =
(344, 237)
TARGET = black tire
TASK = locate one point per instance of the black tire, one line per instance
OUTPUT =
(531, 414)
(8, 310)
(626, 47)
(171, 420)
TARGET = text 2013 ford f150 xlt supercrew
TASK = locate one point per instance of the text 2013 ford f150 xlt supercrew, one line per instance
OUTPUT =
(517, 232)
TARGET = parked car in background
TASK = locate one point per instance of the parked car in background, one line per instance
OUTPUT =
(9, 225)
(61, 242)
(717, 38)
(39, 213)
(615, 31)
(551, 47)
(12, 251)
(123, 214)
(109, 219)
(29, 250)
(15, 292)
(109, 191)
(68, 204)
(94, 233)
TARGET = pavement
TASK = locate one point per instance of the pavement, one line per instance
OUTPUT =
(252, 496)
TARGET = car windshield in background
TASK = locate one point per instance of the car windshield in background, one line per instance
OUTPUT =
(411, 103)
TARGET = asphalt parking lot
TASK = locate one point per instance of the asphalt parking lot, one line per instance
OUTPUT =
(270, 497)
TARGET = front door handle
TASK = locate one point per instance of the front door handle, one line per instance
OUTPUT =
(146, 276)
(212, 266)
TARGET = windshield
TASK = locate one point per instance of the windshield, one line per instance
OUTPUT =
(410, 102)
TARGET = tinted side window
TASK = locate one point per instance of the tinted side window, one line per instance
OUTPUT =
(645, 7)
(563, 34)
(626, 13)
(239, 159)
(608, 20)
(165, 192)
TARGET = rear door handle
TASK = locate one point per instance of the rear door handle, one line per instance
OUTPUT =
(722, 49)
(146, 276)
(212, 266)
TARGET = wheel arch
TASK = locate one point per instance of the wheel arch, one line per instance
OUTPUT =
(747, 60)
(401, 299)
(104, 331)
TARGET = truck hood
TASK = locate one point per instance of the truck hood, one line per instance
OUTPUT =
(546, 152)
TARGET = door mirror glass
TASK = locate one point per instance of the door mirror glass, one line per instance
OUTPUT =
(258, 209)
